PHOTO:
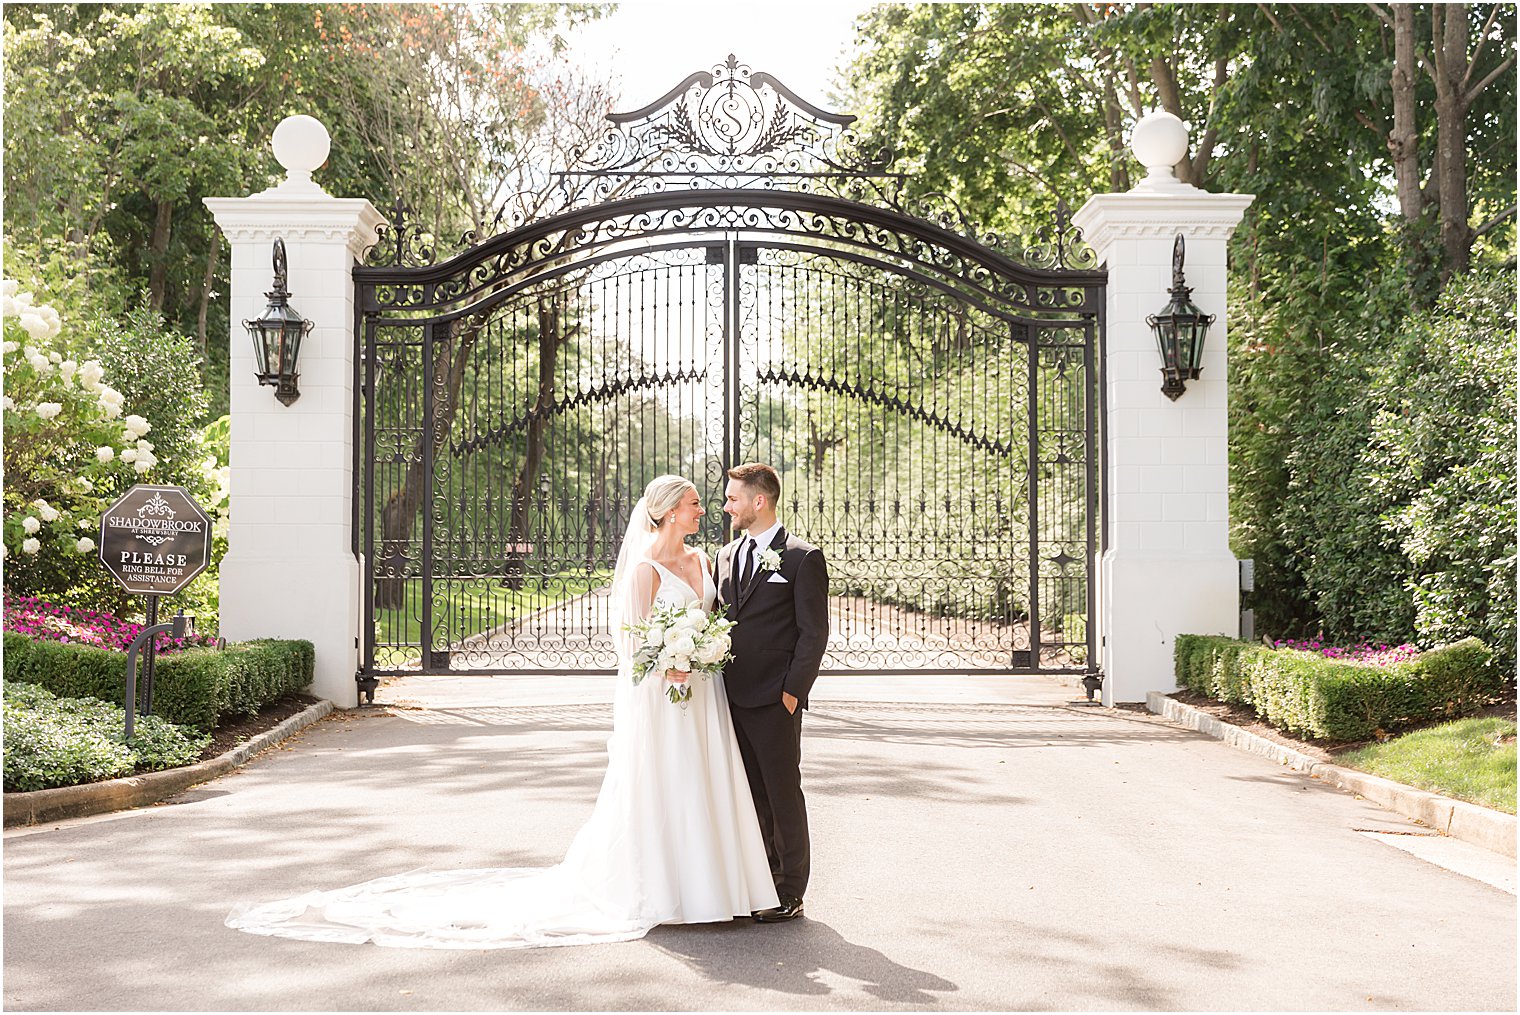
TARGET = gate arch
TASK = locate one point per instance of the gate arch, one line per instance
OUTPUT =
(709, 295)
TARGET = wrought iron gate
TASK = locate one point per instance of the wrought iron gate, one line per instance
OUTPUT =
(730, 278)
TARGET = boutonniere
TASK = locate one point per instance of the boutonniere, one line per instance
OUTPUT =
(770, 560)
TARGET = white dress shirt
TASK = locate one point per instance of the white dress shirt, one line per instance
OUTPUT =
(762, 541)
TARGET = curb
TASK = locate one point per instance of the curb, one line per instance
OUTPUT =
(1482, 826)
(61, 802)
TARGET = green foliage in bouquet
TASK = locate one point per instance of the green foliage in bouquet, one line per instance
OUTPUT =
(683, 638)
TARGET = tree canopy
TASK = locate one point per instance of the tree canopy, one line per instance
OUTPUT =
(1379, 140)
(122, 117)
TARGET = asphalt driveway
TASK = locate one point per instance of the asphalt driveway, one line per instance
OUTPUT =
(973, 852)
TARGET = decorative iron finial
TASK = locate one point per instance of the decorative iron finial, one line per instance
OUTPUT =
(279, 268)
(733, 124)
(1060, 245)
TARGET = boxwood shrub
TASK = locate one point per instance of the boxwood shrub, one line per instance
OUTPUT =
(196, 687)
(52, 741)
(1308, 695)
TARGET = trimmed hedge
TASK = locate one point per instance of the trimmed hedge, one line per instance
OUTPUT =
(1308, 695)
(51, 741)
(196, 687)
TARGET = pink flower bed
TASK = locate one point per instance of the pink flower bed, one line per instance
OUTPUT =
(1366, 652)
(36, 618)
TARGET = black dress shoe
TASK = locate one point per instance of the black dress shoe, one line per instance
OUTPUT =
(790, 909)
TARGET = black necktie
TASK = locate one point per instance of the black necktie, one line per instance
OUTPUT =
(749, 564)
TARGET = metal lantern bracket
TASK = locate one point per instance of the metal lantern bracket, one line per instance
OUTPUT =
(277, 335)
(1180, 330)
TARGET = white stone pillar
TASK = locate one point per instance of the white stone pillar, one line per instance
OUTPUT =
(290, 569)
(1168, 569)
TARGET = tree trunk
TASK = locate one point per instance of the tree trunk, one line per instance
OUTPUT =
(450, 354)
(819, 446)
(1113, 128)
(1404, 141)
(1449, 36)
(550, 336)
(213, 249)
(158, 256)
(1170, 94)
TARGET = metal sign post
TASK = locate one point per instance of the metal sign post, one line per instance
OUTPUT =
(154, 540)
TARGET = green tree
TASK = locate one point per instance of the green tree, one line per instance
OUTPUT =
(1379, 178)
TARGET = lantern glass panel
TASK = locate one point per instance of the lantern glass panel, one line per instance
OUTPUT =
(260, 348)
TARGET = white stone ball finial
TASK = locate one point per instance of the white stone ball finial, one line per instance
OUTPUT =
(1159, 141)
(301, 144)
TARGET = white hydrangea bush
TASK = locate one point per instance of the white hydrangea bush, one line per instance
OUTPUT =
(70, 442)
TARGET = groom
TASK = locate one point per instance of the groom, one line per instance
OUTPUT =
(776, 587)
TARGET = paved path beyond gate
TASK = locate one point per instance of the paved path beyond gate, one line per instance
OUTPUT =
(966, 856)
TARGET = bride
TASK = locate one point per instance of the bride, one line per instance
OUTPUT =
(673, 837)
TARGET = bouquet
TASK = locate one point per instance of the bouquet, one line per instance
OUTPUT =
(685, 638)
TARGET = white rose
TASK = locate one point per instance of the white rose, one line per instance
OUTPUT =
(682, 644)
(129, 455)
(104, 453)
(85, 545)
(30, 524)
(710, 653)
(47, 410)
(35, 325)
(90, 374)
(135, 425)
(40, 363)
(655, 636)
(682, 663)
(30, 546)
(68, 368)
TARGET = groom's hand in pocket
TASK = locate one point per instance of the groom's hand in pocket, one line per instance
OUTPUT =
(790, 701)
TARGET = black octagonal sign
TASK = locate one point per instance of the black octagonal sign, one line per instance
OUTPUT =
(155, 539)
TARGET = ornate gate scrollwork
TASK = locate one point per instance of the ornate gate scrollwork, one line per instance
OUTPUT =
(731, 274)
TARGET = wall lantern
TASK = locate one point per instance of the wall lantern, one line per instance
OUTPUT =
(277, 335)
(1179, 330)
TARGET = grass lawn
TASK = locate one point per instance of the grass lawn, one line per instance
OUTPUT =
(1470, 759)
(465, 607)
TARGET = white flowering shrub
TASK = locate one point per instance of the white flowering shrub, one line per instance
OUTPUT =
(73, 443)
(66, 444)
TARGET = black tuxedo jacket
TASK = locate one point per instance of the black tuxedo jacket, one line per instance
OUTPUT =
(783, 626)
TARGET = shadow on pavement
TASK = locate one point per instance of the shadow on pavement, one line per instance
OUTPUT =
(797, 958)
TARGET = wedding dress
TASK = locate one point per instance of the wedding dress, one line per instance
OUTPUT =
(673, 839)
